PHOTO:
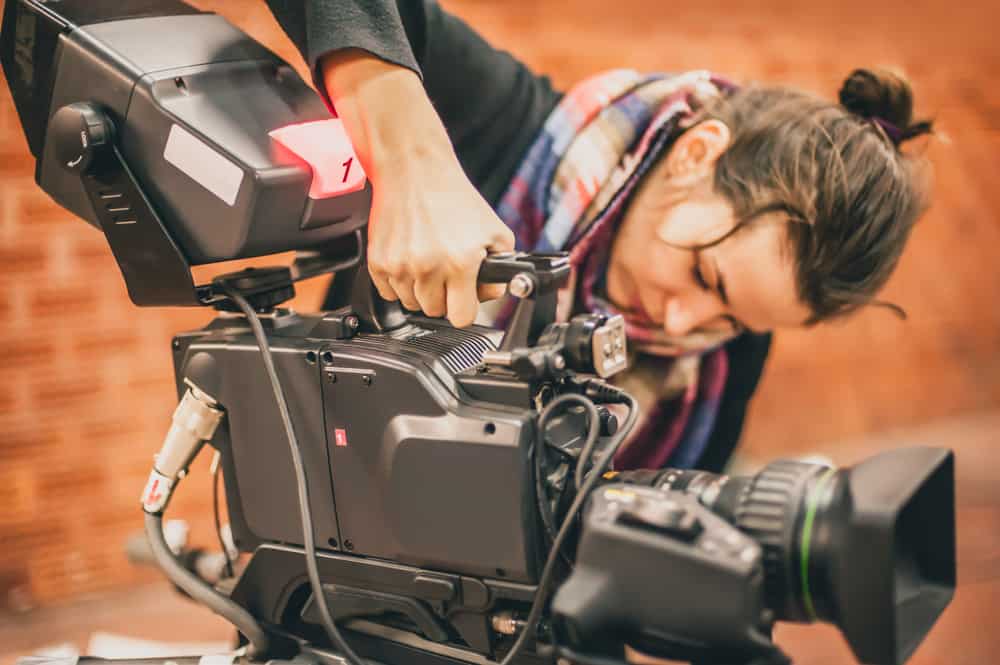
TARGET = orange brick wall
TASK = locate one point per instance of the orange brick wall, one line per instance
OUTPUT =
(85, 391)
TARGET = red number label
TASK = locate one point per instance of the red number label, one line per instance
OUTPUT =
(347, 168)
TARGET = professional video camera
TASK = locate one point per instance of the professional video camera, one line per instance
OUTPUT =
(406, 491)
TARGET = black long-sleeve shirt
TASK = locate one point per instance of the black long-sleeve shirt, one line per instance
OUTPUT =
(493, 108)
(491, 105)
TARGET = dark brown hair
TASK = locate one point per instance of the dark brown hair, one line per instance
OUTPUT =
(837, 171)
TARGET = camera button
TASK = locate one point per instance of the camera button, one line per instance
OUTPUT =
(666, 517)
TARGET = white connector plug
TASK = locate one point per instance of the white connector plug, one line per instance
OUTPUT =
(194, 422)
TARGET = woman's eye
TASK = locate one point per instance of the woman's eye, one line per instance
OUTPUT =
(699, 277)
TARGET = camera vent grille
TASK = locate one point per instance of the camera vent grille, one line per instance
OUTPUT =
(456, 348)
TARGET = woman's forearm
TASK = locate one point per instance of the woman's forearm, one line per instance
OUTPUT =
(385, 110)
(429, 228)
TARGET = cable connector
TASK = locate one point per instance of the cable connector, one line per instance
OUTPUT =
(194, 422)
(156, 493)
(601, 392)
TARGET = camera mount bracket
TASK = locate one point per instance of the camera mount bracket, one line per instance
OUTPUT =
(156, 272)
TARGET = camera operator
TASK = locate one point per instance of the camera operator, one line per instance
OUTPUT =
(707, 213)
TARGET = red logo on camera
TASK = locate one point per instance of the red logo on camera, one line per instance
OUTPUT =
(340, 437)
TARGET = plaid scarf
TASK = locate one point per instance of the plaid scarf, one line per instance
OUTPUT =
(570, 193)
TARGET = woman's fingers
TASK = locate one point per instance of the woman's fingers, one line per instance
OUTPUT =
(456, 296)
(403, 286)
(430, 293)
(503, 239)
(491, 291)
(463, 304)
(381, 281)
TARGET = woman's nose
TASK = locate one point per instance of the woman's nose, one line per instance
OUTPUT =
(684, 314)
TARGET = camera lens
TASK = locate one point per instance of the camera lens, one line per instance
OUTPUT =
(778, 508)
(869, 548)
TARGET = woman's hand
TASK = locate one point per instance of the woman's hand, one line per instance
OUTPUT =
(428, 236)
(429, 228)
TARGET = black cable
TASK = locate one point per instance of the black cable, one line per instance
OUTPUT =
(541, 496)
(593, 431)
(215, 514)
(545, 581)
(312, 567)
(593, 428)
(202, 592)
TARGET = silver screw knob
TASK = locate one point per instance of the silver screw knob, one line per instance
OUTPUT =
(521, 285)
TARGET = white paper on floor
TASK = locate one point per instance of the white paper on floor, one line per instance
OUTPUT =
(67, 650)
(108, 645)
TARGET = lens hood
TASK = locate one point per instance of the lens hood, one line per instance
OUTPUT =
(877, 550)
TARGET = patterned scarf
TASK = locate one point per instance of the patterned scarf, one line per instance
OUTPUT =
(570, 193)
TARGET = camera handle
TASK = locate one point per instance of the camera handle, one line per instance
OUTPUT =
(534, 279)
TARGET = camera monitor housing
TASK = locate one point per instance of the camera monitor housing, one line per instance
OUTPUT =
(174, 132)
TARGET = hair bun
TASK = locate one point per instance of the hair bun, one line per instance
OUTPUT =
(885, 96)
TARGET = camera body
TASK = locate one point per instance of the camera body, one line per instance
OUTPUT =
(391, 425)
(418, 456)
(424, 496)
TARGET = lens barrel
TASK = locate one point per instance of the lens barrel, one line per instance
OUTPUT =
(869, 548)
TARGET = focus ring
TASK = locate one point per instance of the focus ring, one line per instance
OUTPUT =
(766, 511)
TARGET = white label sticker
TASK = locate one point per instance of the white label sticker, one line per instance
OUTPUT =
(203, 164)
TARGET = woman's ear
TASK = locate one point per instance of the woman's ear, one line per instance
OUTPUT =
(694, 153)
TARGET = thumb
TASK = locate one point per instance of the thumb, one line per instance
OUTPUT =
(491, 291)
(503, 241)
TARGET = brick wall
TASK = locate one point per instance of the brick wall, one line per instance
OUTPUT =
(85, 391)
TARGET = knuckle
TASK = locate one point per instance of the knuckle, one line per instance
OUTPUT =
(376, 262)
(424, 265)
(462, 262)
(395, 269)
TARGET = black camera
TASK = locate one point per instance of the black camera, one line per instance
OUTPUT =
(407, 491)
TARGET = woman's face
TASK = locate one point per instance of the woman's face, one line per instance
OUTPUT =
(745, 281)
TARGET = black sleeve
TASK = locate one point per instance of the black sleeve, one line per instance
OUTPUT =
(746, 354)
(491, 104)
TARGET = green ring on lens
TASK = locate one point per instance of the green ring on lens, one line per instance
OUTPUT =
(811, 503)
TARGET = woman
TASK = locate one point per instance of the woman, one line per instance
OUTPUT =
(707, 214)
